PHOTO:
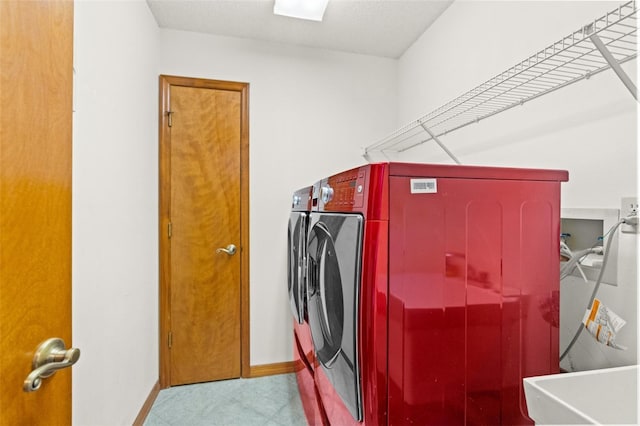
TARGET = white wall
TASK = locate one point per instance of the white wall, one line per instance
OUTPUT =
(589, 128)
(115, 199)
(310, 113)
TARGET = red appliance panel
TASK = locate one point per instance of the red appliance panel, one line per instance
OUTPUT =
(305, 376)
(373, 322)
(475, 172)
(364, 190)
(473, 298)
(305, 344)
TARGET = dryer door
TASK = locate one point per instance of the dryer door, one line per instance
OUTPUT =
(297, 235)
(334, 261)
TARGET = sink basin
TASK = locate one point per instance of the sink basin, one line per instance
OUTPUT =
(607, 396)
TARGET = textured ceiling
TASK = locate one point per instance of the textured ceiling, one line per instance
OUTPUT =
(371, 27)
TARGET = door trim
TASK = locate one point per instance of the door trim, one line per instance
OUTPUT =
(166, 81)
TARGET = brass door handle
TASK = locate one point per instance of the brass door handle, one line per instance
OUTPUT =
(230, 250)
(50, 357)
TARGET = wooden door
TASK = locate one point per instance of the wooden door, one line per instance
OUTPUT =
(36, 42)
(204, 204)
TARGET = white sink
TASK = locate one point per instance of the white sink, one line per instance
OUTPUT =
(607, 396)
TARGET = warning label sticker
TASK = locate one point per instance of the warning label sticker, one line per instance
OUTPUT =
(424, 186)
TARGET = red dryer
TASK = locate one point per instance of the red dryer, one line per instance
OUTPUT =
(431, 291)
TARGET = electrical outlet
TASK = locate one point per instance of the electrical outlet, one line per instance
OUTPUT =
(629, 208)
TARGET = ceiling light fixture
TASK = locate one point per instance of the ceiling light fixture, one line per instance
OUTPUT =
(312, 10)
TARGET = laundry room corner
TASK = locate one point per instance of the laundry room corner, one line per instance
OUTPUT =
(588, 128)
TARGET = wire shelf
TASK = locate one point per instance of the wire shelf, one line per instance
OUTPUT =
(573, 58)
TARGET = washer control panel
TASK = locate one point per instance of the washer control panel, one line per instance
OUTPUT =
(344, 191)
(301, 199)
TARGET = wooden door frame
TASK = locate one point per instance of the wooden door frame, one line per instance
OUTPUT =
(166, 81)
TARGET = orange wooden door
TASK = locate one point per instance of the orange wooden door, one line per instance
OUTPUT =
(205, 243)
(36, 42)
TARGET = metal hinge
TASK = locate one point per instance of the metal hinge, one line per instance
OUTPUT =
(170, 339)
(170, 115)
(170, 229)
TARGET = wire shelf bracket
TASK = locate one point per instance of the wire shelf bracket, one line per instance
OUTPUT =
(607, 42)
(439, 142)
(615, 66)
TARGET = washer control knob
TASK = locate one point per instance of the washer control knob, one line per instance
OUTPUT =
(296, 200)
(326, 194)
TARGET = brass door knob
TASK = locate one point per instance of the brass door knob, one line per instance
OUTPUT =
(50, 357)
